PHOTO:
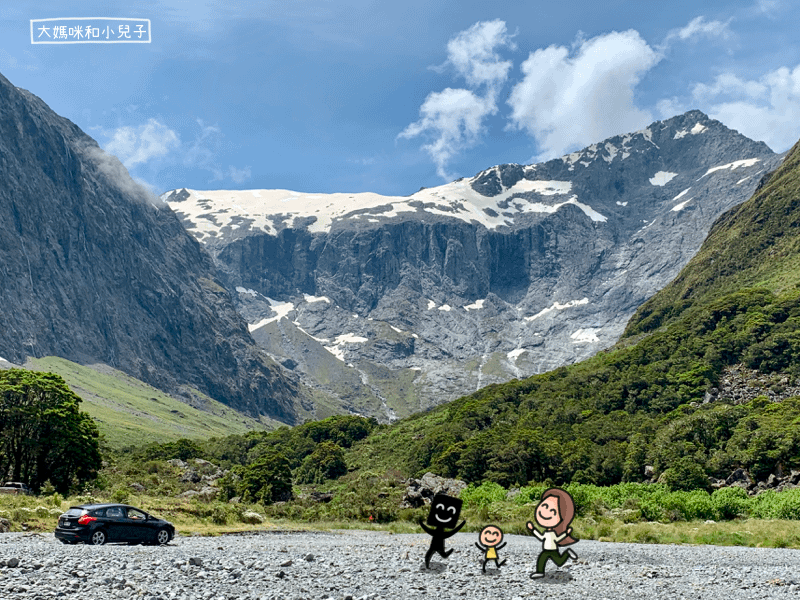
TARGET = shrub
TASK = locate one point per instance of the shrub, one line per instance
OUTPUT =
(529, 494)
(183, 449)
(119, 495)
(776, 505)
(729, 502)
(652, 509)
(482, 495)
(219, 515)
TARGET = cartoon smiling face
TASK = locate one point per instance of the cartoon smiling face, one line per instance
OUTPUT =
(490, 536)
(445, 511)
(547, 513)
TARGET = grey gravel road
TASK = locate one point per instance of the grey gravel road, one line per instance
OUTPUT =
(377, 565)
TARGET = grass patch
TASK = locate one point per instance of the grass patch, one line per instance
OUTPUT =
(129, 412)
(217, 518)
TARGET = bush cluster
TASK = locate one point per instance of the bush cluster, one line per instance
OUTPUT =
(649, 502)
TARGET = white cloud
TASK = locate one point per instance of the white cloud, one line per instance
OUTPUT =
(669, 107)
(768, 7)
(699, 27)
(154, 146)
(453, 118)
(203, 150)
(234, 174)
(766, 109)
(729, 84)
(473, 53)
(570, 99)
(137, 145)
(8, 62)
(110, 166)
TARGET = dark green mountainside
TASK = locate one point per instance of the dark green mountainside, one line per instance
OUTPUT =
(755, 244)
(658, 397)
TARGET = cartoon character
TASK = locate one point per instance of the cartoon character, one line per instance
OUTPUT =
(489, 542)
(554, 513)
(445, 511)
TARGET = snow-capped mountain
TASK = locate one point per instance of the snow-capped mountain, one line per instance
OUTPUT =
(394, 304)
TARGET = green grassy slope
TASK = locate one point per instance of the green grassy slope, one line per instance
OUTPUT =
(129, 412)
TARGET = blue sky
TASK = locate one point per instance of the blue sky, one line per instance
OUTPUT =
(352, 95)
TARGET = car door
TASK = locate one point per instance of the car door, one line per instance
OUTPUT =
(116, 524)
(139, 528)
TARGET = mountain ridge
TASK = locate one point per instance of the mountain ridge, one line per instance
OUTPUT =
(96, 269)
(515, 271)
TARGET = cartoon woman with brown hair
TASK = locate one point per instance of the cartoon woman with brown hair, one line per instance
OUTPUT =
(554, 514)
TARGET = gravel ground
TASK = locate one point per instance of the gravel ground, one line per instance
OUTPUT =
(377, 565)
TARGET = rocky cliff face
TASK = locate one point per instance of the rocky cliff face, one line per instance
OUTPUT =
(395, 304)
(95, 269)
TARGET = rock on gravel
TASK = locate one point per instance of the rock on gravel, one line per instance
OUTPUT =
(367, 565)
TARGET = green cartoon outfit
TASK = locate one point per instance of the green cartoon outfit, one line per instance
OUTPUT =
(550, 550)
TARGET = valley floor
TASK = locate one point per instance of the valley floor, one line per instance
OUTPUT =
(376, 565)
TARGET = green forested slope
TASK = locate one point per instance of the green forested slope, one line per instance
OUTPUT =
(756, 244)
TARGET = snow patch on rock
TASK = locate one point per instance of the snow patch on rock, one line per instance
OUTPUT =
(340, 343)
(748, 162)
(584, 336)
(558, 306)
(515, 354)
(478, 304)
(662, 178)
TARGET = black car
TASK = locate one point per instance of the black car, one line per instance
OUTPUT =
(100, 523)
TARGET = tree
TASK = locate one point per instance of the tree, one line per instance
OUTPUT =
(685, 474)
(183, 449)
(43, 434)
(268, 479)
(325, 462)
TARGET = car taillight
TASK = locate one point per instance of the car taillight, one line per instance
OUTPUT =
(86, 519)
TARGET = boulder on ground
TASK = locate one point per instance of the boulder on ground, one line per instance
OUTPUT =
(252, 518)
(207, 494)
(420, 492)
(740, 478)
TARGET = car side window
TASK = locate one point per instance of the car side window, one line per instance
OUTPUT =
(114, 512)
(101, 512)
(136, 515)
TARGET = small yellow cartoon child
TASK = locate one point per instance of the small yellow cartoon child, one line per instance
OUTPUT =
(489, 542)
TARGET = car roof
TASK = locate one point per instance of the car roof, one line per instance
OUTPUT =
(103, 505)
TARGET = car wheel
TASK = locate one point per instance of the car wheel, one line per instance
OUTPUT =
(162, 537)
(98, 538)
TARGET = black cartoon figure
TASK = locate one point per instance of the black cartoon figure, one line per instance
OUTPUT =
(445, 511)
(489, 543)
(554, 513)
